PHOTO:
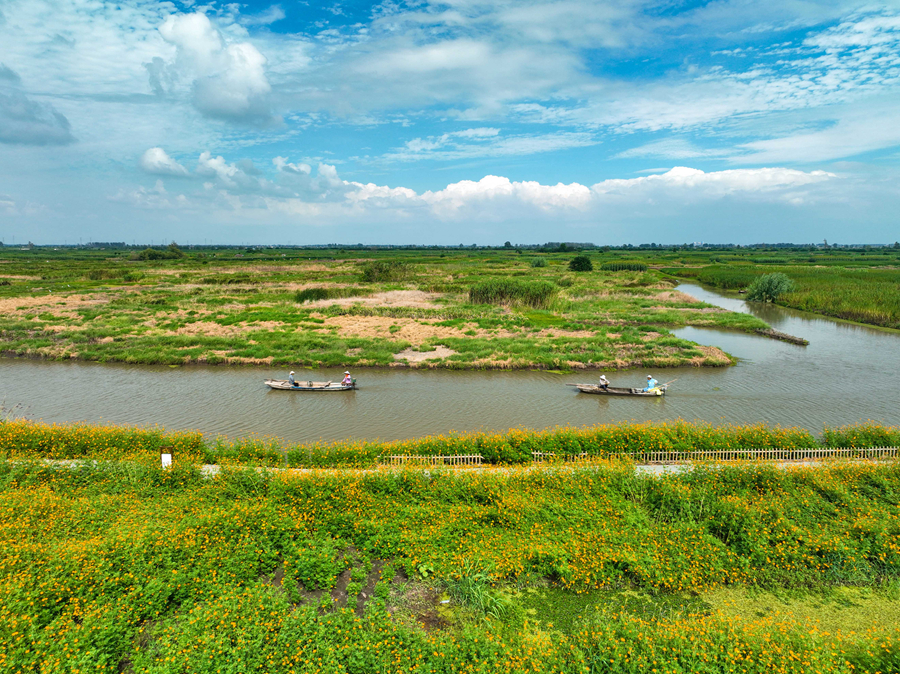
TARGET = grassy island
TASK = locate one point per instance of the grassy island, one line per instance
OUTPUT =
(456, 309)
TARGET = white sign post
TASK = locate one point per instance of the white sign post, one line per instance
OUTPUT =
(166, 460)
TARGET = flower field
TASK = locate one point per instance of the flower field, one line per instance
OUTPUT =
(119, 566)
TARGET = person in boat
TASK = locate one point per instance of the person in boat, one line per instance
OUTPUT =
(347, 380)
(651, 383)
(291, 379)
(604, 382)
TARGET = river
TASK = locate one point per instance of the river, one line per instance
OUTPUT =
(848, 373)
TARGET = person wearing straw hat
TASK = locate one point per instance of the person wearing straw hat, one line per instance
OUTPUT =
(291, 379)
(604, 382)
(651, 383)
(348, 380)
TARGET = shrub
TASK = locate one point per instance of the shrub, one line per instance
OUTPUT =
(537, 294)
(581, 263)
(171, 252)
(623, 266)
(388, 270)
(769, 287)
(538, 262)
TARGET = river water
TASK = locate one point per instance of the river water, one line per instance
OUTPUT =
(848, 373)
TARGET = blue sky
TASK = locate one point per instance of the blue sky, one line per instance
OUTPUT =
(466, 121)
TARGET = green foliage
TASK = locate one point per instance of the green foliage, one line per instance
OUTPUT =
(316, 293)
(116, 571)
(22, 439)
(538, 262)
(623, 266)
(473, 588)
(385, 271)
(536, 294)
(581, 263)
(171, 252)
(769, 287)
(311, 294)
(728, 277)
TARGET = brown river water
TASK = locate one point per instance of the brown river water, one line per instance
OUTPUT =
(848, 373)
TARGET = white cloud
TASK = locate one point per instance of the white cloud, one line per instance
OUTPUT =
(155, 160)
(268, 17)
(671, 148)
(468, 194)
(286, 167)
(851, 131)
(694, 183)
(229, 175)
(485, 143)
(155, 197)
(229, 80)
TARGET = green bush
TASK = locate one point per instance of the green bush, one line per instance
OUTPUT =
(385, 271)
(537, 294)
(623, 266)
(769, 287)
(581, 263)
(171, 252)
(538, 262)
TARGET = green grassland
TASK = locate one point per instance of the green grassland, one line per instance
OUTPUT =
(122, 567)
(486, 308)
(861, 286)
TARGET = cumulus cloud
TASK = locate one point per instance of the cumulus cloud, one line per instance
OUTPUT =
(27, 122)
(229, 80)
(467, 193)
(155, 160)
(227, 174)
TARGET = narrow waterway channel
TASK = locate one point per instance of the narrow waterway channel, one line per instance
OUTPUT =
(848, 373)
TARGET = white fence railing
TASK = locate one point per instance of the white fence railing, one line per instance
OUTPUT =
(772, 454)
(439, 460)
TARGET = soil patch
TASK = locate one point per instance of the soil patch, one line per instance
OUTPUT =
(421, 356)
(712, 355)
(677, 296)
(392, 298)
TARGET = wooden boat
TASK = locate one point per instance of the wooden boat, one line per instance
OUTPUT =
(284, 385)
(618, 391)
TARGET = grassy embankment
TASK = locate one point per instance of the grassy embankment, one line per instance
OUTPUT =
(27, 440)
(119, 566)
(380, 309)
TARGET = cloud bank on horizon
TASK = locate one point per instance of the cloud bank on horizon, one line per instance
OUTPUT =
(461, 121)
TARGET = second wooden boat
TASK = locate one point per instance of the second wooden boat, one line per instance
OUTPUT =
(619, 391)
(284, 385)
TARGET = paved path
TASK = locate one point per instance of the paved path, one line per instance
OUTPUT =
(659, 469)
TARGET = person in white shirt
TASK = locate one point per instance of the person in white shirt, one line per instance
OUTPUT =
(604, 382)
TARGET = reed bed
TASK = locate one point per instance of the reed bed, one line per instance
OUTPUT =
(535, 294)
(864, 295)
(623, 266)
